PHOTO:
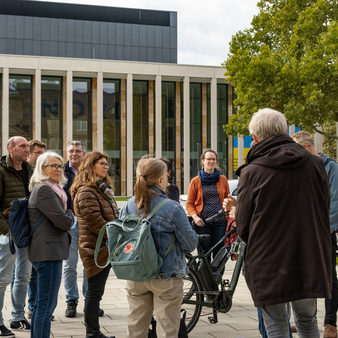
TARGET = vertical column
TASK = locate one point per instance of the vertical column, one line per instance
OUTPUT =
(130, 134)
(240, 150)
(230, 138)
(158, 112)
(99, 109)
(94, 112)
(292, 129)
(186, 131)
(123, 138)
(5, 110)
(37, 105)
(318, 138)
(213, 117)
(178, 134)
(151, 117)
(67, 110)
(204, 117)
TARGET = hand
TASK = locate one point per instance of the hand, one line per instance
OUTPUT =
(228, 203)
(232, 212)
(198, 220)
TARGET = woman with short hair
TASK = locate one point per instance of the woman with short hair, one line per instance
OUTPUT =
(50, 241)
(162, 295)
(94, 206)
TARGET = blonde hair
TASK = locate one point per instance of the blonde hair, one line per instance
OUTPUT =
(86, 173)
(266, 123)
(148, 171)
(39, 175)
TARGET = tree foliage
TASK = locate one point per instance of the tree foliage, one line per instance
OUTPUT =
(287, 61)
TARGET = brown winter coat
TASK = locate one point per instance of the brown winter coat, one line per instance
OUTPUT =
(93, 211)
(283, 215)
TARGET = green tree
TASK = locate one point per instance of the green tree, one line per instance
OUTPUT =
(286, 61)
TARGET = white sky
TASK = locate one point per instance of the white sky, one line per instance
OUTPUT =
(205, 28)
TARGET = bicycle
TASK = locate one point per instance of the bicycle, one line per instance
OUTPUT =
(204, 285)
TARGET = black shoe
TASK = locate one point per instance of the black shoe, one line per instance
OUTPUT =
(20, 325)
(71, 309)
(101, 312)
(52, 318)
(4, 332)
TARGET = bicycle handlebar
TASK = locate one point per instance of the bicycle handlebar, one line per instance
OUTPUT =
(219, 212)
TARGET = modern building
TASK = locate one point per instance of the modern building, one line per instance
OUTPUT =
(109, 77)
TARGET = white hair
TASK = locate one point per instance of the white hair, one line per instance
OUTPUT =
(39, 175)
(266, 123)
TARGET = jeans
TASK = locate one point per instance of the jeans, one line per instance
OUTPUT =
(32, 286)
(277, 322)
(96, 285)
(84, 284)
(216, 232)
(261, 325)
(331, 304)
(70, 266)
(7, 262)
(49, 279)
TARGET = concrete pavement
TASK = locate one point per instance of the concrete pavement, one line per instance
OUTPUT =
(240, 321)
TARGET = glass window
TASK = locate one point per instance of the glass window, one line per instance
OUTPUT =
(195, 127)
(0, 112)
(140, 121)
(169, 125)
(208, 117)
(112, 130)
(82, 111)
(20, 106)
(222, 119)
(51, 113)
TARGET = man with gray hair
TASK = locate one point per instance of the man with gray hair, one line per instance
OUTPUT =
(331, 167)
(282, 214)
(15, 173)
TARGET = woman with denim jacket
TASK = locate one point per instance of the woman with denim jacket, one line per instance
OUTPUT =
(162, 295)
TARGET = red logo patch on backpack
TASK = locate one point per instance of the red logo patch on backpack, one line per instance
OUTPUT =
(128, 248)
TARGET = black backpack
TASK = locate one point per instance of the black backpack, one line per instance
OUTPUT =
(20, 229)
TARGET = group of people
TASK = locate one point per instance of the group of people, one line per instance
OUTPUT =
(286, 213)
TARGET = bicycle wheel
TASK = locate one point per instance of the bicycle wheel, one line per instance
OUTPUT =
(192, 292)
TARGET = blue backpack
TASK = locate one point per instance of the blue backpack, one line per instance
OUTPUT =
(19, 226)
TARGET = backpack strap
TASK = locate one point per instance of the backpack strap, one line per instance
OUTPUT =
(157, 208)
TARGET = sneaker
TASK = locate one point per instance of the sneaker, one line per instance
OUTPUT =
(330, 331)
(4, 332)
(71, 309)
(101, 312)
(20, 324)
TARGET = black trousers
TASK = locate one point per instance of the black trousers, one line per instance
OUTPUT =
(96, 285)
(331, 304)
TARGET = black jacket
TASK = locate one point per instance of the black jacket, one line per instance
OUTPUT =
(70, 178)
(283, 215)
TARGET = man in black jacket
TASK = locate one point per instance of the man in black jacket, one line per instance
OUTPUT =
(282, 213)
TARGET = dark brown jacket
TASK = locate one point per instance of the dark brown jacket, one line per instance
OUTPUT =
(93, 211)
(283, 216)
(50, 241)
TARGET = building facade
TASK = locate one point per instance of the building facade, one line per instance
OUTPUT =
(126, 104)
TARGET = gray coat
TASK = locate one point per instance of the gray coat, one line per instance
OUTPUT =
(50, 241)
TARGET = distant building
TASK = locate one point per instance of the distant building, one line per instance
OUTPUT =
(109, 77)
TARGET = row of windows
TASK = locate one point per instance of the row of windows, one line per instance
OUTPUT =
(21, 118)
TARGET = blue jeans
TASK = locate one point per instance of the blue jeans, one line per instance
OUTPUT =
(261, 325)
(70, 266)
(7, 262)
(277, 321)
(32, 286)
(49, 279)
(216, 232)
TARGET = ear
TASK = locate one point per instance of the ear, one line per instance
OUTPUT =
(255, 138)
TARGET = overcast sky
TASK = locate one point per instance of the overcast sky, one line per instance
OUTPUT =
(205, 28)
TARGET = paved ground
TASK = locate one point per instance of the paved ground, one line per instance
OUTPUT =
(240, 321)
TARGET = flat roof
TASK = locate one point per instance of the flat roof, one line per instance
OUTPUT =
(84, 12)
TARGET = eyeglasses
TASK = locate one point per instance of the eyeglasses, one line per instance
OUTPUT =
(211, 159)
(77, 151)
(55, 166)
(103, 164)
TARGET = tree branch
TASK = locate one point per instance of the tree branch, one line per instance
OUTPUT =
(325, 134)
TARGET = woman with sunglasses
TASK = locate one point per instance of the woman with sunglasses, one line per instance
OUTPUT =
(94, 206)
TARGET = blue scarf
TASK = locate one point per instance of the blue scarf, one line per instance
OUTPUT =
(209, 179)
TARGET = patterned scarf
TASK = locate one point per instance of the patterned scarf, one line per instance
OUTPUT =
(58, 190)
